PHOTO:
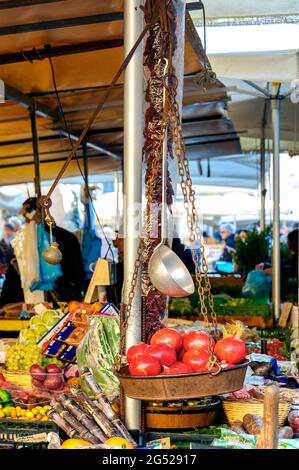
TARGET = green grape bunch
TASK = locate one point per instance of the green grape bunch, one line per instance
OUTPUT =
(22, 357)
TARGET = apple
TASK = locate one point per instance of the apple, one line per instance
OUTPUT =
(49, 315)
(38, 372)
(40, 330)
(53, 382)
(53, 369)
(37, 383)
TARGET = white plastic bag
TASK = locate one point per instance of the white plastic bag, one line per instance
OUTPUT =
(25, 248)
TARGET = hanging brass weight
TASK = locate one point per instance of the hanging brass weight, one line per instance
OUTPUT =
(51, 255)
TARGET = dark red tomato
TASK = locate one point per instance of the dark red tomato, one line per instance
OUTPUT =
(165, 354)
(135, 351)
(231, 350)
(144, 365)
(196, 360)
(198, 340)
(168, 336)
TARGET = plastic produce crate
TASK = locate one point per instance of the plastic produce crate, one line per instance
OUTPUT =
(17, 434)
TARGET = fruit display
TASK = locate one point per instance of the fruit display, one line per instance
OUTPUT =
(20, 357)
(38, 327)
(170, 353)
(37, 413)
(47, 378)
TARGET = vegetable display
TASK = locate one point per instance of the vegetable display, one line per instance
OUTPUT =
(98, 352)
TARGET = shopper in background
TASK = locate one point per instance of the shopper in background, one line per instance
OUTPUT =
(69, 285)
(16, 223)
(6, 250)
(227, 233)
(288, 269)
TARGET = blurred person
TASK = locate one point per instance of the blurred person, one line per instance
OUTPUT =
(289, 268)
(15, 222)
(69, 285)
(242, 234)
(227, 232)
(6, 250)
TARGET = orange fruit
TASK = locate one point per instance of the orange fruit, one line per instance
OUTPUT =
(74, 382)
(97, 306)
(73, 306)
(119, 443)
(74, 444)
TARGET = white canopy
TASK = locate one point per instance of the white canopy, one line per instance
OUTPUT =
(275, 66)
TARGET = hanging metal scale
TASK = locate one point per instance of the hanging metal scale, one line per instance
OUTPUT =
(51, 255)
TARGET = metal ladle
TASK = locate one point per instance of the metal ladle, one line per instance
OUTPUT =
(167, 272)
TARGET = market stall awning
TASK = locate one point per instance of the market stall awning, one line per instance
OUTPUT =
(79, 46)
(275, 66)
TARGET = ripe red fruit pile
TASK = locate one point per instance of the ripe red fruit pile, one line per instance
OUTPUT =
(275, 349)
(47, 378)
(171, 353)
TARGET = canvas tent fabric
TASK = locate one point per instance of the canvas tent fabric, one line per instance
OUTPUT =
(86, 49)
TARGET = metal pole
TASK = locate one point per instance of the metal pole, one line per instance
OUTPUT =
(35, 152)
(263, 169)
(275, 107)
(133, 141)
(116, 190)
(86, 189)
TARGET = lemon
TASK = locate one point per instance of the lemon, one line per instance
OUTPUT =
(119, 443)
(2, 414)
(29, 414)
(47, 407)
(38, 416)
(74, 444)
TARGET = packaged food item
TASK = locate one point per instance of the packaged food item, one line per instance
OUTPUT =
(65, 332)
(55, 348)
(229, 435)
(252, 424)
(286, 432)
(230, 444)
(288, 444)
(109, 310)
(76, 336)
(68, 354)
